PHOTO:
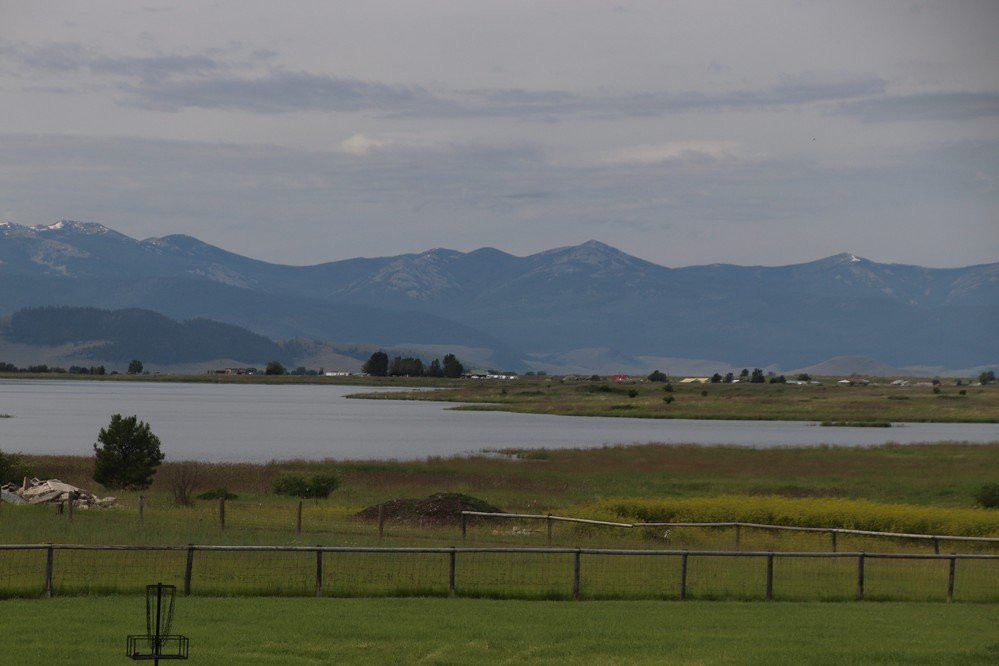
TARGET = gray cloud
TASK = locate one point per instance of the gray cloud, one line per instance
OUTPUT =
(279, 91)
(927, 106)
(69, 58)
(173, 82)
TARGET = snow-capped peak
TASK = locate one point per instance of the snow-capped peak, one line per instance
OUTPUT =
(72, 225)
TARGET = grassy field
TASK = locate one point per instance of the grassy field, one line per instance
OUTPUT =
(90, 630)
(782, 402)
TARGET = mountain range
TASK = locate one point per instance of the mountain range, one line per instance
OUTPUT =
(581, 306)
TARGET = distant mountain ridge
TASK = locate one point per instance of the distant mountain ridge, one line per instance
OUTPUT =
(522, 308)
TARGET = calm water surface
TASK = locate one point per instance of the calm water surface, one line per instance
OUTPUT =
(219, 422)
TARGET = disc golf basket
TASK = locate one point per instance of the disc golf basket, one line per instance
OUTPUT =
(158, 643)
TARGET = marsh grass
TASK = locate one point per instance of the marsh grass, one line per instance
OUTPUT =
(853, 405)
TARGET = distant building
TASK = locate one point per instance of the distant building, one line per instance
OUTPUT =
(619, 378)
(695, 380)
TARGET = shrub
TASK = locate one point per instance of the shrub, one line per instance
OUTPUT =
(12, 468)
(319, 486)
(668, 399)
(988, 496)
(218, 493)
(183, 478)
(632, 393)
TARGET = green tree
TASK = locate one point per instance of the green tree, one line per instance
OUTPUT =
(744, 374)
(274, 368)
(758, 377)
(804, 377)
(716, 378)
(435, 369)
(729, 377)
(987, 377)
(126, 454)
(452, 366)
(135, 367)
(658, 376)
(377, 365)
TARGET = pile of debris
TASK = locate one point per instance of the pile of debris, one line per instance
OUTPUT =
(439, 509)
(35, 491)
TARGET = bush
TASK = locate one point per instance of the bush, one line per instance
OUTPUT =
(126, 454)
(988, 496)
(319, 486)
(632, 393)
(218, 493)
(12, 468)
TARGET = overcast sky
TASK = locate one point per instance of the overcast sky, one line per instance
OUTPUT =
(681, 132)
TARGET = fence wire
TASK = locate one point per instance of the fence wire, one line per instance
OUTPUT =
(498, 573)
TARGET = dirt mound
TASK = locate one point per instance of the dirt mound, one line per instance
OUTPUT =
(438, 509)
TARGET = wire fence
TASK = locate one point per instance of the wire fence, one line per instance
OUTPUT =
(833, 535)
(524, 573)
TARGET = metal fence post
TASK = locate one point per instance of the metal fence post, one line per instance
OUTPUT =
(450, 574)
(683, 576)
(860, 577)
(950, 580)
(575, 575)
(770, 576)
(319, 571)
(49, 553)
(188, 569)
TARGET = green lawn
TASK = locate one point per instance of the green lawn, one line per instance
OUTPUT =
(89, 630)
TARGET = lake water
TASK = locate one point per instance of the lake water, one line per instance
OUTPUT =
(217, 422)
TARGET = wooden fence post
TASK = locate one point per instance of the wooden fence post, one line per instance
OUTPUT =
(69, 504)
(188, 569)
(319, 570)
(936, 545)
(49, 555)
(950, 580)
(832, 534)
(222, 513)
(770, 576)
(575, 575)
(142, 508)
(860, 577)
(683, 576)
(298, 518)
(549, 521)
(737, 535)
(450, 574)
(464, 525)
(381, 521)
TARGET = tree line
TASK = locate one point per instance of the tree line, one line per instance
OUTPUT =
(379, 365)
